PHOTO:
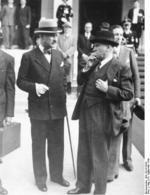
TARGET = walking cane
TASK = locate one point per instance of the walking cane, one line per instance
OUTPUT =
(70, 144)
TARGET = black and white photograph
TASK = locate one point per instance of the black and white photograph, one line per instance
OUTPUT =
(74, 100)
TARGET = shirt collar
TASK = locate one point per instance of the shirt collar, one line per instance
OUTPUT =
(106, 60)
(41, 48)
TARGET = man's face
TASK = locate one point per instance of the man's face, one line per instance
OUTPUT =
(49, 40)
(100, 50)
(23, 2)
(88, 27)
(136, 4)
(118, 35)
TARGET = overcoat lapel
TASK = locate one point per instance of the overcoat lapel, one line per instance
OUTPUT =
(112, 69)
(41, 60)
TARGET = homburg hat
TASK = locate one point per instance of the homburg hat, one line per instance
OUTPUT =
(47, 26)
(105, 37)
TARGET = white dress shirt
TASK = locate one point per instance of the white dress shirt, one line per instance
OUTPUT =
(47, 56)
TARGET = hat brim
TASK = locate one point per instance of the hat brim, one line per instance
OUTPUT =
(103, 41)
(43, 31)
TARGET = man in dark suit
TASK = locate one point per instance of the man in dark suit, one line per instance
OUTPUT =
(106, 83)
(41, 74)
(126, 56)
(64, 13)
(23, 25)
(7, 92)
(84, 45)
(137, 17)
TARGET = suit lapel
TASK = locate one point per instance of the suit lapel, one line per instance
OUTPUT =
(41, 60)
(112, 69)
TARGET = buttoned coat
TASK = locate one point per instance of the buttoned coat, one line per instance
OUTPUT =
(119, 89)
(36, 69)
(7, 85)
(8, 15)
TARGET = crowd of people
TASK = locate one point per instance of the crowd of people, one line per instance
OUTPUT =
(108, 90)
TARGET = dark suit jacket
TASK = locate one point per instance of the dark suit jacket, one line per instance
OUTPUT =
(127, 57)
(23, 16)
(7, 85)
(36, 69)
(140, 16)
(119, 88)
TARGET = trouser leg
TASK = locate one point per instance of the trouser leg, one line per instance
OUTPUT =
(55, 137)
(114, 156)
(38, 133)
(84, 161)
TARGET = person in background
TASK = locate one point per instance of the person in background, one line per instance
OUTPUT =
(130, 36)
(8, 22)
(66, 45)
(136, 15)
(98, 109)
(7, 92)
(41, 75)
(127, 57)
(64, 13)
(84, 45)
(23, 25)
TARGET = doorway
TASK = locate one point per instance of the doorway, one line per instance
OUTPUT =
(98, 11)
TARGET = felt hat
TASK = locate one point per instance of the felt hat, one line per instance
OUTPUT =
(105, 37)
(47, 26)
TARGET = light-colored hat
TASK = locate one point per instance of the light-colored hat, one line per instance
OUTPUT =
(67, 24)
(47, 26)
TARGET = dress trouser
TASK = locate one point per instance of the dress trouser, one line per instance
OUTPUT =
(127, 143)
(53, 132)
(93, 148)
(8, 33)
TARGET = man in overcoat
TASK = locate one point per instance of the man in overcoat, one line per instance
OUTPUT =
(126, 56)
(106, 83)
(41, 74)
(7, 92)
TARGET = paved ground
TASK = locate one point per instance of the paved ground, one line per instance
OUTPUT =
(16, 171)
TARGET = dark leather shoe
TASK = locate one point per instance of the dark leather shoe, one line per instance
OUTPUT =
(112, 179)
(62, 182)
(128, 166)
(3, 191)
(42, 187)
(78, 190)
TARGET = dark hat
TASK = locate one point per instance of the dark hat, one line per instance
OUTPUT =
(47, 26)
(104, 26)
(105, 37)
(126, 21)
(138, 110)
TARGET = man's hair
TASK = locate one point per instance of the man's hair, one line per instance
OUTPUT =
(88, 23)
(116, 26)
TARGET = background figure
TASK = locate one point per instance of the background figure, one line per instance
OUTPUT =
(130, 36)
(66, 45)
(7, 92)
(64, 13)
(127, 57)
(42, 76)
(97, 112)
(23, 25)
(137, 17)
(8, 16)
(84, 45)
